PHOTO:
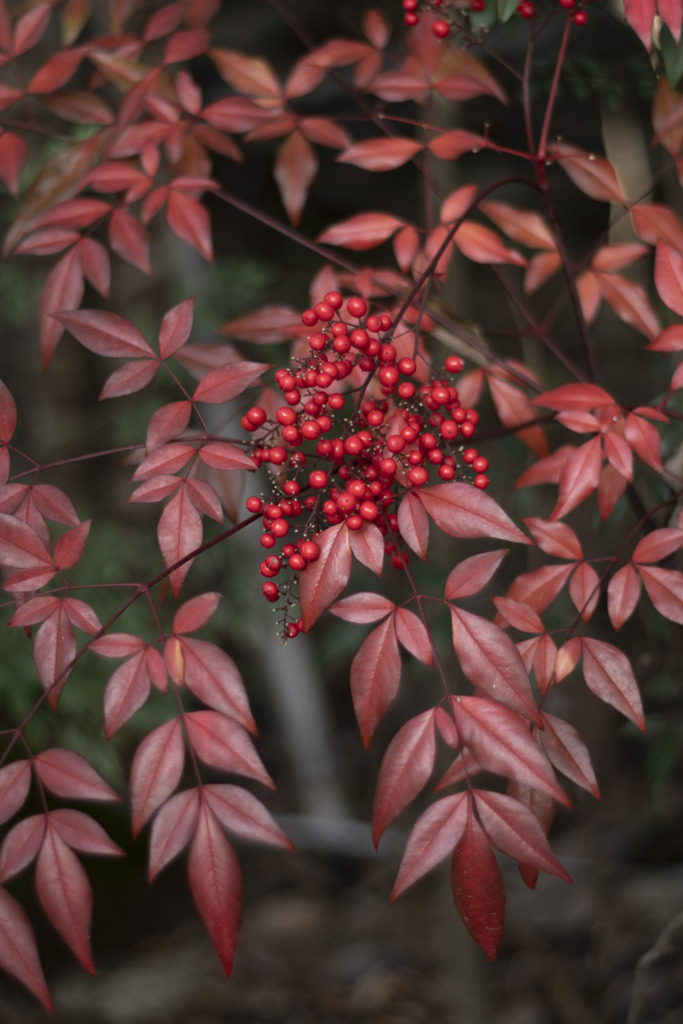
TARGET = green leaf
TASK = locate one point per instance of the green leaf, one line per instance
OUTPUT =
(506, 8)
(672, 53)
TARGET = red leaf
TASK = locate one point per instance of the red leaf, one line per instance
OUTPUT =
(167, 423)
(21, 844)
(13, 155)
(381, 154)
(640, 14)
(179, 533)
(20, 545)
(644, 440)
(222, 743)
(175, 328)
(579, 477)
(54, 650)
(610, 489)
(546, 470)
(106, 334)
(482, 245)
(568, 752)
(519, 615)
(412, 634)
(18, 950)
(269, 324)
(630, 302)
(669, 277)
(95, 264)
(224, 456)
(63, 290)
(56, 71)
(433, 836)
(15, 782)
(584, 590)
(227, 382)
(657, 545)
(491, 662)
(36, 609)
(246, 74)
(325, 132)
(195, 613)
(156, 770)
(30, 28)
(619, 454)
(216, 884)
(241, 812)
(8, 414)
(190, 221)
(375, 677)
(186, 45)
(592, 174)
(478, 888)
(461, 510)
(126, 692)
(323, 580)
(70, 546)
(364, 607)
(129, 378)
(69, 775)
(500, 742)
(556, 539)
(83, 833)
(362, 231)
(523, 226)
(623, 593)
(213, 678)
(472, 574)
(405, 770)
(129, 239)
(514, 830)
(413, 524)
(609, 675)
(451, 145)
(117, 645)
(169, 458)
(665, 589)
(514, 407)
(367, 547)
(65, 895)
(295, 167)
(172, 828)
(574, 396)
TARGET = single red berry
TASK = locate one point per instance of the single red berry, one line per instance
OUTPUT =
(356, 306)
(353, 445)
(418, 475)
(338, 328)
(336, 401)
(388, 376)
(395, 443)
(406, 390)
(325, 424)
(334, 299)
(410, 18)
(341, 344)
(280, 528)
(324, 311)
(318, 479)
(480, 464)
(368, 510)
(373, 323)
(355, 522)
(398, 561)
(388, 468)
(270, 591)
(292, 629)
(467, 428)
(441, 29)
(292, 436)
(580, 17)
(291, 487)
(254, 504)
(297, 562)
(375, 417)
(387, 354)
(477, 5)
(449, 430)
(409, 5)
(387, 322)
(285, 415)
(359, 338)
(409, 434)
(481, 481)
(406, 366)
(267, 540)
(472, 415)
(310, 550)
(257, 416)
(310, 430)
(293, 397)
(415, 458)
(309, 318)
(446, 472)
(469, 455)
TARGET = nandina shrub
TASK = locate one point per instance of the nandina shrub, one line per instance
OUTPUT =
(366, 430)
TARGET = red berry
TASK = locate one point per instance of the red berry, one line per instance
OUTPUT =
(297, 562)
(441, 29)
(355, 522)
(467, 428)
(292, 629)
(480, 464)
(580, 17)
(407, 366)
(406, 390)
(359, 338)
(310, 550)
(334, 299)
(374, 323)
(309, 318)
(257, 416)
(318, 479)
(387, 322)
(324, 311)
(526, 9)
(469, 455)
(267, 540)
(410, 19)
(356, 306)
(336, 401)
(409, 5)
(388, 376)
(254, 504)
(418, 475)
(270, 591)
(449, 430)
(446, 472)
(368, 510)
(481, 481)
(388, 468)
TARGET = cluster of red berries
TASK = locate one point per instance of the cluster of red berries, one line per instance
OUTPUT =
(453, 10)
(354, 430)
